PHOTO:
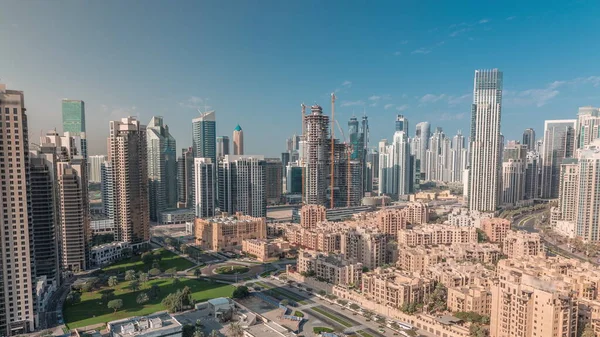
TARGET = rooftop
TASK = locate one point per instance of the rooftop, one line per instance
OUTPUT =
(136, 326)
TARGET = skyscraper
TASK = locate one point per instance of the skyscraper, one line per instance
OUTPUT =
(127, 154)
(458, 158)
(73, 115)
(16, 240)
(162, 168)
(485, 141)
(108, 190)
(204, 136)
(222, 146)
(588, 193)
(316, 156)
(514, 165)
(94, 168)
(238, 141)
(423, 133)
(273, 180)
(394, 165)
(402, 123)
(559, 143)
(204, 181)
(588, 126)
(242, 185)
(185, 179)
(532, 175)
(529, 139)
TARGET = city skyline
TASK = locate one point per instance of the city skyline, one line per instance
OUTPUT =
(395, 80)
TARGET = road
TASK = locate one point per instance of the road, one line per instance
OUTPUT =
(310, 303)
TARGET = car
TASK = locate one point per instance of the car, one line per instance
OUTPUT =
(381, 330)
(354, 314)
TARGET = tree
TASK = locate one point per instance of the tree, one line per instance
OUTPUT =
(130, 275)
(171, 271)
(107, 296)
(147, 258)
(436, 301)
(213, 333)
(142, 298)
(154, 291)
(73, 297)
(184, 249)
(354, 306)
(113, 281)
(197, 272)
(115, 304)
(176, 282)
(235, 330)
(588, 331)
(198, 333)
(284, 302)
(88, 286)
(365, 269)
(134, 285)
(322, 292)
(240, 292)
(144, 277)
(179, 300)
(154, 272)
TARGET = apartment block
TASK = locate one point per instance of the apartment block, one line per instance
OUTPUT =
(228, 232)
(311, 215)
(416, 213)
(394, 288)
(470, 299)
(436, 235)
(460, 274)
(496, 229)
(365, 245)
(419, 259)
(519, 244)
(335, 269)
(265, 250)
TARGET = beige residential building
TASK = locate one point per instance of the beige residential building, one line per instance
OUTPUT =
(419, 259)
(311, 215)
(496, 229)
(416, 213)
(519, 244)
(265, 250)
(127, 155)
(335, 269)
(390, 220)
(471, 298)
(431, 234)
(567, 192)
(16, 246)
(365, 245)
(460, 274)
(393, 288)
(238, 141)
(228, 232)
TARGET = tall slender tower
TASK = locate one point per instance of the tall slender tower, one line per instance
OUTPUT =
(238, 141)
(485, 168)
(402, 123)
(205, 194)
(162, 168)
(222, 146)
(128, 157)
(185, 179)
(242, 185)
(204, 139)
(529, 138)
(73, 115)
(16, 239)
(316, 156)
(588, 193)
(559, 143)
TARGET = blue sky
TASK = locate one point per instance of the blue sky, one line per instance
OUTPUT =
(254, 62)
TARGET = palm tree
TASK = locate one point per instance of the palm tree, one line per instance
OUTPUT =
(113, 281)
(134, 285)
(142, 298)
(235, 330)
(213, 333)
(197, 272)
(198, 333)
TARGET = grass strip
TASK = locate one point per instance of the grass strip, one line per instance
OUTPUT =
(333, 317)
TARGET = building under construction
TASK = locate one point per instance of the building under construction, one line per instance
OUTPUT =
(344, 181)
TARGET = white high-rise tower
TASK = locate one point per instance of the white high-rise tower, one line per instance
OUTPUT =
(485, 140)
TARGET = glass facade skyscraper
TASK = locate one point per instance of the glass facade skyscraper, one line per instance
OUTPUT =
(73, 116)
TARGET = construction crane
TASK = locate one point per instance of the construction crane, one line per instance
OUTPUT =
(349, 150)
(303, 147)
(331, 201)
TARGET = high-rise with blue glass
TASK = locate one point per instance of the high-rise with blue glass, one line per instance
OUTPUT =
(204, 139)
(73, 116)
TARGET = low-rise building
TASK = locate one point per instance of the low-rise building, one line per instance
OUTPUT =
(101, 226)
(432, 234)
(565, 228)
(465, 217)
(160, 324)
(177, 216)
(519, 244)
(265, 250)
(496, 229)
(394, 288)
(460, 274)
(419, 259)
(330, 268)
(471, 298)
(228, 232)
(108, 253)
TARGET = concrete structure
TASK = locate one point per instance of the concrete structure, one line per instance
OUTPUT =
(265, 250)
(559, 143)
(238, 141)
(176, 216)
(365, 245)
(394, 166)
(416, 213)
(588, 126)
(108, 253)
(568, 190)
(95, 168)
(394, 288)
(204, 139)
(517, 245)
(185, 179)
(470, 299)
(436, 235)
(127, 155)
(160, 324)
(73, 118)
(242, 186)
(204, 182)
(588, 194)
(496, 229)
(222, 146)
(16, 250)
(102, 226)
(486, 111)
(162, 168)
(273, 180)
(312, 215)
(315, 150)
(228, 232)
(330, 268)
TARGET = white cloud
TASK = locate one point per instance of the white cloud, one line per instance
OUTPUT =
(446, 116)
(388, 106)
(402, 107)
(353, 103)
(482, 21)
(397, 53)
(431, 98)
(459, 31)
(374, 98)
(347, 84)
(453, 100)
(193, 102)
(424, 51)
(510, 18)
(541, 96)
(404, 42)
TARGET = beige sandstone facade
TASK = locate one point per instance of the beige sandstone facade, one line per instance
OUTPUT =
(227, 232)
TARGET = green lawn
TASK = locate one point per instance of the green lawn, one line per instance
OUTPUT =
(232, 269)
(168, 260)
(92, 311)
